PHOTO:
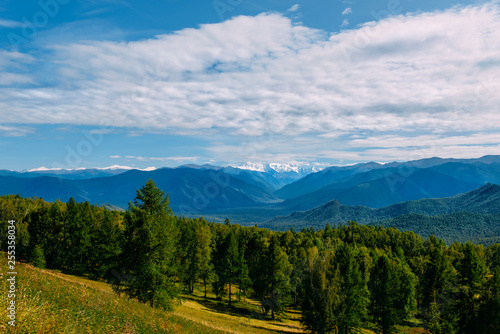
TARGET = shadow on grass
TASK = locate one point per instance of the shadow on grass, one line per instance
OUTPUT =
(287, 326)
(267, 329)
(218, 306)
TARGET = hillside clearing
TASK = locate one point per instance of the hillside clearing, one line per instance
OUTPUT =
(48, 301)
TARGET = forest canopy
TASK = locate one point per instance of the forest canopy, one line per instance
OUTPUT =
(342, 278)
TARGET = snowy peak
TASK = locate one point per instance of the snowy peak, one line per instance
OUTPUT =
(110, 168)
(279, 168)
(252, 166)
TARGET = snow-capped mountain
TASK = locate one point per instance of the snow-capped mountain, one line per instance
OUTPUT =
(114, 167)
(72, 174)
(280, 168)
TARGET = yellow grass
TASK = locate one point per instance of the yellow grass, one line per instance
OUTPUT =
(52, 302)
(242, 317)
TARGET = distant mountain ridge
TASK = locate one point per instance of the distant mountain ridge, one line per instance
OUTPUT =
(477, 211)
(253, 196)
(72, 174)
(279, 168)
(189, 189)
(377, 185)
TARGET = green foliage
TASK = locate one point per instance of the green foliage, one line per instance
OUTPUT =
(149, 250)
(392, 286)
(48, 302)
(488, 319)
(335, 290)
(437, 288)
(346, 278)
(194, 251)
(274, 286)
(471, 275)
(37, 257)
(321, 286)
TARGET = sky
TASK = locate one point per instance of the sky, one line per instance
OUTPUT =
(87, 83)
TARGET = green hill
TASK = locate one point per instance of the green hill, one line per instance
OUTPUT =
(51, 302)
(465, 217)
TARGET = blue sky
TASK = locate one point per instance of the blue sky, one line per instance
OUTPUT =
(165, 83)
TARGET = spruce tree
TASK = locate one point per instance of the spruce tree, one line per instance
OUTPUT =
(274, 289)
(471, 275)
(148, 260)
(392, 287)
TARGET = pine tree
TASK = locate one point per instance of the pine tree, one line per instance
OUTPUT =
(226, 264)
(195, 251)
(321, 288)
(275, 270)
(488, 320)
(392, 287)
(37, 257)
(437, 288)
(243, 279)
(471, 274)
(204, 254)
(149, 253)
(335, 291)
(353, 295)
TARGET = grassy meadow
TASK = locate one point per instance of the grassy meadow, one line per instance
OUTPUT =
(51, 302)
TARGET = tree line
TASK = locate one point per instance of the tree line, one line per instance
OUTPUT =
(342, 278)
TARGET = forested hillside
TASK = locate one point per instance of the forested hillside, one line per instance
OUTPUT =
(472, 216)
(253, 197)
(192, 190)
(343, 279)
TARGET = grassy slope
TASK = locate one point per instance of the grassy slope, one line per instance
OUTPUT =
(51, 302)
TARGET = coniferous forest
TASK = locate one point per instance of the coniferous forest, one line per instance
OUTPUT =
(342, 278)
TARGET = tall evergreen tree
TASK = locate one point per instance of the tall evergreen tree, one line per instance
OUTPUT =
(273, 287)
(471, 274)
(335, 291)
(353, 296)
(437, 288)
(488, 320)
(195, 251)
(321, 287)
(392, 287)
(149, 252)
(226, 260)
(203, 237)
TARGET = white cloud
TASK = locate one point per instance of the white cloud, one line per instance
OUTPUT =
(347, 11)
(14, 131)
(13, 68)
(345, 23)
(434, 73)
(10, 59)
(10, 23)
(178, 159)
(294, 8)
(400, 141)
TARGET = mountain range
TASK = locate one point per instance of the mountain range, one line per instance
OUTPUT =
(473, 215)
(255, 193)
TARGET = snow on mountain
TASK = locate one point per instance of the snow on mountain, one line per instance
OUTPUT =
(114, 167)
(279, 168)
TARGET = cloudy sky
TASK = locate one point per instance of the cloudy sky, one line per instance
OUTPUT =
(170, 82)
